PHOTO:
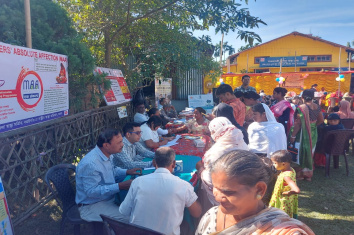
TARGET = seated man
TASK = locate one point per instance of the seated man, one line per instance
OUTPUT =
(157, 200)
(140, 115)
(168, 112)
(133, 152)
(95, 178)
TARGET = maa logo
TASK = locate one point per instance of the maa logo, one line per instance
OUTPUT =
(29, 89)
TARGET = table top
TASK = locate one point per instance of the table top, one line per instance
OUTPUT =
(187, 147)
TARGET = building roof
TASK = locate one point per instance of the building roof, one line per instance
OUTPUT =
(297, 34)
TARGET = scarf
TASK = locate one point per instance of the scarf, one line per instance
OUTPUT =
(280, 107)
(344, 110)
(267, 137)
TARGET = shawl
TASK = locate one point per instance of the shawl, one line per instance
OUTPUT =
(225, 110)
(270, 221)
(267, 137)
(344, 110)
(280, 107)
(227, 138)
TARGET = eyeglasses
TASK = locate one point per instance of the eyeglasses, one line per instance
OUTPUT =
(136, 132)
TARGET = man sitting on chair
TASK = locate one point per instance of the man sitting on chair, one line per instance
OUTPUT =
(95, 178)
(157, 200)
(133, 152)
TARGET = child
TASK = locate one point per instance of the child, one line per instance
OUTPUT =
(285, 193)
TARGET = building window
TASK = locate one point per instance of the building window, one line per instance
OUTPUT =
(319, 58)
(315, 69)
(261, 71)
(257, 59)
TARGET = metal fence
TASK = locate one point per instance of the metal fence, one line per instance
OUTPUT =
(27, 154)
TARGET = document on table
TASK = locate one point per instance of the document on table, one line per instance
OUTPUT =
(172, 142)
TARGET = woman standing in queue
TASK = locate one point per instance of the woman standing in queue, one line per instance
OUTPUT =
(240, 180)
(282, 109)
(307, 117)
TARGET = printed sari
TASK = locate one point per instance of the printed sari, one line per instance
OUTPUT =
(270, 221)
(306, 137)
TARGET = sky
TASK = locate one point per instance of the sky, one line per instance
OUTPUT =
(332, 20)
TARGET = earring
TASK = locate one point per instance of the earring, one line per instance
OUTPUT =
(258, 197)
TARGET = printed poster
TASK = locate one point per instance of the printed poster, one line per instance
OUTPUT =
(204, 101)
(119, 92)
(33, 86)
(122, 112)
(163, 89)
(5, 221)
(292, 80)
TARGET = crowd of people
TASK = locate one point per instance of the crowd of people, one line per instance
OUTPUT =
(247, 176)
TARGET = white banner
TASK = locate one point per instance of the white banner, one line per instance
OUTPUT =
(204, 101)
(33, 86)
(163, 89)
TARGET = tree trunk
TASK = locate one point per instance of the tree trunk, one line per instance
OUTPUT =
(107, 49)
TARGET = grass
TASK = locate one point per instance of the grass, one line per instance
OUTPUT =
(326, 205)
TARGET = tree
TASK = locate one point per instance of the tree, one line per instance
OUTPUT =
(248, 46)
(52, 30)
(104, 21)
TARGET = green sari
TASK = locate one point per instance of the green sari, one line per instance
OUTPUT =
(306, 137)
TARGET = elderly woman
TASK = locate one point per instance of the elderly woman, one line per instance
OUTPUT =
(265, 134)
(198, 125)
(240, 181)
(227, 138)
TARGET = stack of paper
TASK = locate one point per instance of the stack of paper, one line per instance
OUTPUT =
(172, 142)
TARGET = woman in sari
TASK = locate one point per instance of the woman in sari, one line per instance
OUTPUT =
(227, 138)
(240, 180)
(282, 109)
(344, 110)
(307, 117)
(265, 134)
(198, 125)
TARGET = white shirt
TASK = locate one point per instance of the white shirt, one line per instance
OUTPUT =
(148, 134)
(157, 201)
(140, 118)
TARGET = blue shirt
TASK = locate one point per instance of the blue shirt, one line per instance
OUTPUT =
(95, 178)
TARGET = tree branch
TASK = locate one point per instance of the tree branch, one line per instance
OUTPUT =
(141, 17)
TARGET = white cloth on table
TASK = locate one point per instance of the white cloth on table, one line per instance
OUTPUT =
(157, 201)
(267, 137)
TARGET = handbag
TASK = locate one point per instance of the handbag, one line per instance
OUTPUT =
(294, 152)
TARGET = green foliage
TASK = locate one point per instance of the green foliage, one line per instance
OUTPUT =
(154, 33)
(52, 30)
(248, 46)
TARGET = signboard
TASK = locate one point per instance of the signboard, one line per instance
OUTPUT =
(33, 86)
(122, 112)
(163, 89)
(288, 61)
(5, 221)
(292, 80)
(119, 92)
(203, 101)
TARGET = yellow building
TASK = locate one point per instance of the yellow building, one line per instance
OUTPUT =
(317, 61)
(321, 55)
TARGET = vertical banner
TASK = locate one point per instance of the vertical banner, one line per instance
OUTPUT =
(5, 221)
(163, 89)
(119, 92)
(33, 86)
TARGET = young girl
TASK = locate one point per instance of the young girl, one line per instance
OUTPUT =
(285, 193)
